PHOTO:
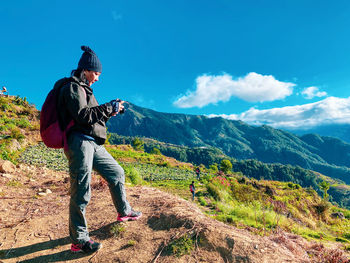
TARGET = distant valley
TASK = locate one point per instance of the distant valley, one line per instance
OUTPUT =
(340, 131)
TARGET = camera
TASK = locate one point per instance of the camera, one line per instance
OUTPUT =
(123, 109)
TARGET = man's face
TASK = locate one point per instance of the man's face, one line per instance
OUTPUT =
(92, 76)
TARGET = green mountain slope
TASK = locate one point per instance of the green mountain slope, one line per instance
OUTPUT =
(238, 139)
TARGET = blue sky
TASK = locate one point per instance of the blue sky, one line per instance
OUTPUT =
(283, 62)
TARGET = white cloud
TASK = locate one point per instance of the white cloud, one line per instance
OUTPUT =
(327, 111)
(311, 92)
(253, 87)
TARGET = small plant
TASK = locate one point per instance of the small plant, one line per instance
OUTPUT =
(131, 242)
(21, 102)
(4, 154)
(278, 207)
(182, 246)
(14, 183)
(117, 229)
(322, 208)
(16, 134)
(324, 186)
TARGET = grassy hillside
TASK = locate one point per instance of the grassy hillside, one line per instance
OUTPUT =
(19, 126)
(339, 192)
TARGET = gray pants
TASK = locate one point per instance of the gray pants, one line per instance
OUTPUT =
(83, 156)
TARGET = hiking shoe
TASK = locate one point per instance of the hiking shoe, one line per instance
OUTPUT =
(88, 247)
(134, 215)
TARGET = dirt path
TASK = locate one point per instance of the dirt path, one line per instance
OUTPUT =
(33, 228)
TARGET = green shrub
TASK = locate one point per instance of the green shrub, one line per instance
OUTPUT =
(4, 153)
(226, 166)
(315, 235)
(219, 192)
(165, 164)
(346, 235)
(155, 151)
(133, 175)
(214, 191)
(6, 120)
(23, 123)
(202, 201)
(346, 214)
(182, 246)
(293, 186)
(214, 168)
(5, 107)
(322, 208)
(16, 134)
(342, 240)
(245, 193)
(138, 144)
(3, 100)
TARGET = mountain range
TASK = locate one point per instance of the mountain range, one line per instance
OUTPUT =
(340, 131)
(327, 155)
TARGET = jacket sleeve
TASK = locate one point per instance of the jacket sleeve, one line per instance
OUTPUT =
(80, 111)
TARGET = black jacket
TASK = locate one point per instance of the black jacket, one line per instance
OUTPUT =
(76, 101)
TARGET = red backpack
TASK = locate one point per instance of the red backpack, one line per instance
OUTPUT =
(191, 188)
(52, 134)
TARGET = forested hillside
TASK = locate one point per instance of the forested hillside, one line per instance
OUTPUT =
(237, 139)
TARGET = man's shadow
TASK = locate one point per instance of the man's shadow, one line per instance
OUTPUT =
(66, 255)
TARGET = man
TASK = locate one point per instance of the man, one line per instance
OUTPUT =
(193, 190)
(84, 149)
(3, 91)
(198, 172)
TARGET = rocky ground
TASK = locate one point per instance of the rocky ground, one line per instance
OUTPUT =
(34, 227)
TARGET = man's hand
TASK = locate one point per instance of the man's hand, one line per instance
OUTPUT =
(118, 107)
(121, 108)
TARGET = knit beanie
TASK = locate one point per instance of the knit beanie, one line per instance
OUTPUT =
(89, 60)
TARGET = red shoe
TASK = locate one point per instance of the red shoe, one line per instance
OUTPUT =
(88, 247)
(134, 215)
